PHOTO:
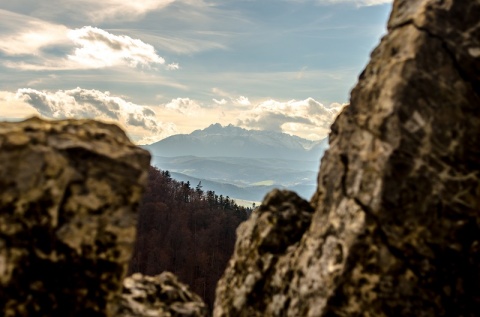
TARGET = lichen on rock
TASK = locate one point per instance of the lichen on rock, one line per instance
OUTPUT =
(68, 196)
(270, 235)
(159, 296)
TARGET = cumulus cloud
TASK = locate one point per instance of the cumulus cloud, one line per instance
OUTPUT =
(97, 48)
(220, 102)
(185, 106)
(140, 121)
(173, 66)
(47, 46)
(242, 100)
(304, 117)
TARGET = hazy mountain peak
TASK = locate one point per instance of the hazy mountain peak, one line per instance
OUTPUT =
(217, 128)
(232, 141)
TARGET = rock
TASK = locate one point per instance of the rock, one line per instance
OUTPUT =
(69, 191)
(270, 235)
(395, 230)
(162, 295)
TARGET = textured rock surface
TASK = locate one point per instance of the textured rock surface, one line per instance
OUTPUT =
(268, 238)
(397, 212)
(68, 197)
(162, 295)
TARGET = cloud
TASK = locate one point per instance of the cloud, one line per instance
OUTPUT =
(11, 108)
(220, 92)
(97, 48)
(366, 2)
(220, 102)
(121, 9)
(304, 117)
(243, 101)
(239, 101)
(22, 35)
(184, 106)
(140, 121)
(173, 66)
(42, 45)
(360, 3)
(183, 42)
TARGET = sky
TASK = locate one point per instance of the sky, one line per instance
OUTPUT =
(163, 67)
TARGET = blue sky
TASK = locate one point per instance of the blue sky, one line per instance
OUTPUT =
(161, 67)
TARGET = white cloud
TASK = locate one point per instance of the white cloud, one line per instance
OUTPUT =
(359, 3)
(242, 100)
(219, 102)
(184, 106)
(22, 35)
(101, 10)
(173, 66)
(306, 118)
(97, 48)
(238, 101)
(139, 121)
(47, 46)
(11, 108)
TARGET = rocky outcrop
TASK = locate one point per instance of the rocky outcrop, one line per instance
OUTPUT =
(395, 229)
(162, 295)
(68, 197)
(264, 242)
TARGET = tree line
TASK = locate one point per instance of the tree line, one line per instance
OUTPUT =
(187, 231)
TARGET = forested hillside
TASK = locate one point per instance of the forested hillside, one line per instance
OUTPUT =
(187, 231)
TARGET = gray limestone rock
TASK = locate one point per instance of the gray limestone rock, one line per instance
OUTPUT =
(68, 197)
(264, 242)
(159, 296)
(395, 230)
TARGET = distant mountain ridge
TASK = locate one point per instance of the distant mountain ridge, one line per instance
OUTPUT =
(231, 141)
(242, 178)
(241, 163)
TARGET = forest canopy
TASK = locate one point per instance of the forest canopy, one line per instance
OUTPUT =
(187, 231)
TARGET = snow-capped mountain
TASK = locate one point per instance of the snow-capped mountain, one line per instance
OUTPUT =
(232, 141)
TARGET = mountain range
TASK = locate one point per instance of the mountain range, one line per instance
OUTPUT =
(232, 141)
(243, 164)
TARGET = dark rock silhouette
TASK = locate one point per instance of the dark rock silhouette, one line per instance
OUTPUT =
(68, 197)
(395, 231)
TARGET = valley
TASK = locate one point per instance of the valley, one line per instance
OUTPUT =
(239, 163)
